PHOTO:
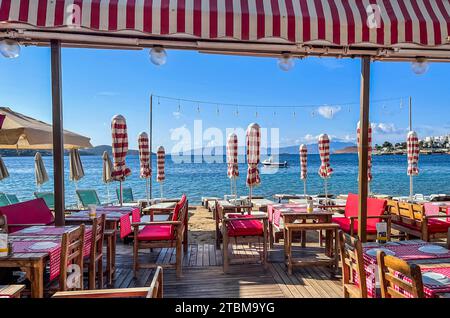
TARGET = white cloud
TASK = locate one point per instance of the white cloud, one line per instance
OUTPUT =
(328, 112)
(177, 115)
(310, 138)
(387, 129)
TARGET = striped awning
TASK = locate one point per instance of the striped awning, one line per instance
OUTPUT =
(333, 22)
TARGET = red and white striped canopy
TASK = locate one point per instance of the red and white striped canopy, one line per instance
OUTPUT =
(337, 22)
(412, 145)
(369, 149)
(119, 148)
(325, 170)
(232, 156)
(303, 162)
(253, 138)
(144, 156)
(161, 158)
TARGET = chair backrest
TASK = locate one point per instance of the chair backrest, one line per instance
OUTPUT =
(4, 199)
(351, 205)
(71, 262)
(392, 207)
(98, 233)
(180, 211)
(375, 207)
(398, 279)
(48, 197)
(28, 212)
(353, 273)
(418, 212)
(3, 224)
(406, 212)
(156, 287)
(88, 197)
(127, 195)
(13, 198)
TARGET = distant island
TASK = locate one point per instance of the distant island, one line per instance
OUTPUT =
(95, 151)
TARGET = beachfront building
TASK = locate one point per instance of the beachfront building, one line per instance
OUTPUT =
(387, 30)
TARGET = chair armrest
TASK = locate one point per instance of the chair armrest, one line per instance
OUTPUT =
(157, 223)
(104, 293)
(437, 216)
(27, 225)
(384, 216)
(258, 217)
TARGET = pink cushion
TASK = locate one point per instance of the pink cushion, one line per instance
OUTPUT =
(27, 212)
(344, 223)
(244, 227)
(178, 207)
(156, 233)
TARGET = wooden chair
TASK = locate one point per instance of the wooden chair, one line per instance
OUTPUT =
(389, 268)
(3, 223)
(154, 291)
(72, 256)
(352, 266)
(248, 228)
(95, 259)
(165, 234)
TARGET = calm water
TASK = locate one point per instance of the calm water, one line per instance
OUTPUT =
(209, 179)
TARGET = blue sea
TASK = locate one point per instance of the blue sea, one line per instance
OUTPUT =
(210, 179)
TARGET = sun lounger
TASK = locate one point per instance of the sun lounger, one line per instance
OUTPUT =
(48, 197)
(4, 199)
(13, 198)
(88, 197)
(127, 195)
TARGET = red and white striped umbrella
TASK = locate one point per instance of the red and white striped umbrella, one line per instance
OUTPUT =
(412, 145)
(253, 140)
(144, 156)
(325, 170)
(232, 156)
(303, 162)
(161, 154)
(369, 150)
(119, 148)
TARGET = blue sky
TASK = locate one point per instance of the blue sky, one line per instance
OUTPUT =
(101, 83)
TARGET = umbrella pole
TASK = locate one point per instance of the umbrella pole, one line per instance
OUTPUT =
(304, 187)
(146, 190)
(121, 194)
(411, 192)
(107, 193)
(235, 187)
(231, 186)
(161, 189)
(326, 189)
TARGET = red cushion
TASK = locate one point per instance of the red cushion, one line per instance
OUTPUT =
(178, 207)
(344, 223)
(434, 226)
(374, 207)
(155, 233)
(27, 212)
(244, 227)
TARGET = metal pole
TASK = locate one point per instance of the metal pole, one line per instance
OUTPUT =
(58, 134)
(363, 148)
(410, 113)
(411, 191)
(150, 140)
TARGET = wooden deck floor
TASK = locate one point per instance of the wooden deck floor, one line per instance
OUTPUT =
(203, 275)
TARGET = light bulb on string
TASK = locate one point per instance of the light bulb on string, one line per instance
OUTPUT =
(179, 106)
(198, 108)
(10, 48)
(237, 112)
(294, 114)
(286, 62)
(401, 103)
(313, 114)
(158, 55)
(218, 111)
(420, 66)
(159, 101)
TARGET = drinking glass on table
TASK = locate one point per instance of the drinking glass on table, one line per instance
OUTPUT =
(92, 211)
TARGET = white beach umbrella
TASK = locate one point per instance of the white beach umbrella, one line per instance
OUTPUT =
(119, 150)
(3, 170)
(107, 171)
(232, 161)
(253, 137)
(76, 171)
(325, 170)
(40, 173)
(161, 176)
(369, 150)
(144, 160)
(303, 165)
(412, 145)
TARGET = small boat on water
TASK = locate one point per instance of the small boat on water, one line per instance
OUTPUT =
(269, 163)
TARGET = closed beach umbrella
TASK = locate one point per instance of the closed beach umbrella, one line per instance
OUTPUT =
(303, 165)
(369, 149)
(3, 170)
(232, 161)
(107, 171)
(144, 159)
(412, 145)
(161, 176)
(325, 170)
(75, 166)
(40, 173)
(253, 141)
(119, 150)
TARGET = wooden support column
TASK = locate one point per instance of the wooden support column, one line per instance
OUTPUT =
(58, 142)
(363, 148)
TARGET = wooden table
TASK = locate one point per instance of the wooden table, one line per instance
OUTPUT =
(227, 207)
(428, 263)
(282, 196)
(12, 291)
(261, 204)
(159, 208)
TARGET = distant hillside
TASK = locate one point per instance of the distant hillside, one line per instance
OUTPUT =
(96, 151)
(351, 149)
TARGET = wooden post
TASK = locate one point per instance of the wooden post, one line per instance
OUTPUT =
(363, 148)
(150, 142)
(58, 135)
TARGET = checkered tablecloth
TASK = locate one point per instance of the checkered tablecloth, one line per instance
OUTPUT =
(274, 211)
